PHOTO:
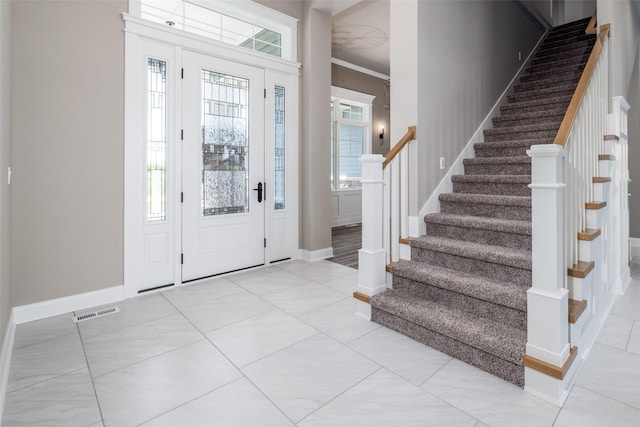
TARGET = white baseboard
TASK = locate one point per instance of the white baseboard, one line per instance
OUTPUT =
(54, 307)
(457, 167)
(5, 359)
(317, 255)
(352, 219)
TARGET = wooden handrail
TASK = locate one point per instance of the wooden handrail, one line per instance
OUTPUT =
(592, 27)
(410, 135)
(581, 89)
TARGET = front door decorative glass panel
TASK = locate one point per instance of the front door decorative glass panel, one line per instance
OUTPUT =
(279, 155)
(156, 139)
(223, 161)
(225, 144)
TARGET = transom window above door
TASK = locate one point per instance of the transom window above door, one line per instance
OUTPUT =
(239, 23)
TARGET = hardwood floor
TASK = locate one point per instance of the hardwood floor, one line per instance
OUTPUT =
(346, 242)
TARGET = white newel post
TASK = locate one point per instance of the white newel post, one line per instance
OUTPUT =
(547, 299)
(371, 258)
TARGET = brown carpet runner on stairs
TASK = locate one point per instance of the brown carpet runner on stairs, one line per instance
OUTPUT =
(464, 290)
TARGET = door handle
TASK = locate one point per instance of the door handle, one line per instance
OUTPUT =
(259, 190)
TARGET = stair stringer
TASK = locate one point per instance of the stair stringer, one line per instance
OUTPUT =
(417, 226)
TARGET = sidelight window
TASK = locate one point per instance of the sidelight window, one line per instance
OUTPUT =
(156, 140)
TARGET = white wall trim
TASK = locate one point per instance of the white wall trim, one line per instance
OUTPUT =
(635, 242)
(346, 207)
(358, 68)
(457, 167)
(353, 95)
(5, 359)
(316, 255)
(414, 225)
(54, 307)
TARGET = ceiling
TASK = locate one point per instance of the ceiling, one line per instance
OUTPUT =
(360, 32)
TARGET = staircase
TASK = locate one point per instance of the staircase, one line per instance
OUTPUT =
(464, 290)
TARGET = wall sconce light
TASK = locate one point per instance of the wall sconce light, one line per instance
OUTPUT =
(381, 133)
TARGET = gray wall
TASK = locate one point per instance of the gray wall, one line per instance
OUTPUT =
(67, 187)
(467, 55)
(314, 146)
(578, 9)
(624, 18)
(541, 9)
(5, 154)
(360, 82)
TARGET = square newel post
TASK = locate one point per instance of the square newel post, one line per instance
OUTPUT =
(547, 299)
(371, 258)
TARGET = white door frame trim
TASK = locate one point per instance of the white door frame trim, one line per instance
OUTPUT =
(137, 33)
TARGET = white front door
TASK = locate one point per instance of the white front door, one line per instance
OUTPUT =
(223, 207)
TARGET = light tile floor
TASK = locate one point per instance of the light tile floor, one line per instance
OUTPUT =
(281, 346)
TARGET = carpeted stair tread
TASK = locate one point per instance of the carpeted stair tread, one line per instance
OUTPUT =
(535, 131)
(551, 73)
(548, 89)
(481, 223)
(507, 179)
(578, 56)
(496, 160)
(567, 78)
(553, 102)
(550, 58)
(488, 253)
(555, 114)
(494, 291)
(543, 93)
(566, 35)
(557, 66)
(520, 165)
(492, 337)
(511, 148)
(552, 42)
(487, 205)
(519, 120)
(569, 32)
(508, 185)
(511, 143)
(558, 48)
(487, 199)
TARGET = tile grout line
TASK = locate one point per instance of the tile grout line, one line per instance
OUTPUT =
(380, 367)
(604, 396)
(230, 361)
(188, 402)
(633, 326)
(93, 385)
(421, 387)
(46, 379)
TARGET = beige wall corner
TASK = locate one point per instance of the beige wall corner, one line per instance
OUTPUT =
(5, 162)
(314, 145)
(67, 186)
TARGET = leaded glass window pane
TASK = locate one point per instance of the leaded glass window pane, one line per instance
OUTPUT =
(279, 143)
(156, 139)
(225, 144)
